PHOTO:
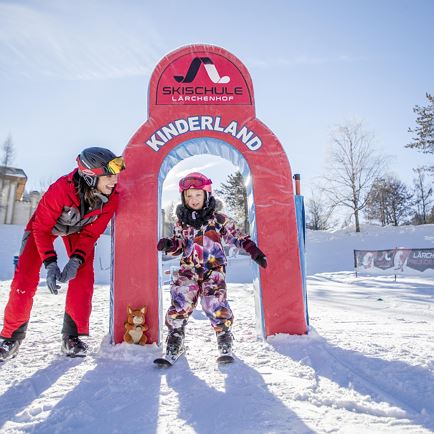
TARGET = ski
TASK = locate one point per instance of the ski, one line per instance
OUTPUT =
(168, 360)
(225, 358)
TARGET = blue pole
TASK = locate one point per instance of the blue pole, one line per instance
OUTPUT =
(301, 229)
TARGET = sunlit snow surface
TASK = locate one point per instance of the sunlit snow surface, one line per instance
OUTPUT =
(365, 366)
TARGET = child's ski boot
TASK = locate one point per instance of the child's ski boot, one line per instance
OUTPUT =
(174, 348)
(224, 342)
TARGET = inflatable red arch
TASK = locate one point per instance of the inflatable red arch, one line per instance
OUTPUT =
(201, 101)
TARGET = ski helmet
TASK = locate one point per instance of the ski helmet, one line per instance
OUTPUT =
(94, 162)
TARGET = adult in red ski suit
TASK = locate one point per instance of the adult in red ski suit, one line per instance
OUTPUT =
(77, 207)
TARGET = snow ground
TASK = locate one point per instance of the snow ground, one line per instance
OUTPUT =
(365, 366)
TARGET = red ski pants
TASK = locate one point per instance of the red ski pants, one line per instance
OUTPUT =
(25, 282)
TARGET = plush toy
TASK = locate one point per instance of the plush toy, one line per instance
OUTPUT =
(135, 326)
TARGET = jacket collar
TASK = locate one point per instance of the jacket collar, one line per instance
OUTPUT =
(72, 191)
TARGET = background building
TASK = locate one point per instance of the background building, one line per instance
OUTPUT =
(16, 205)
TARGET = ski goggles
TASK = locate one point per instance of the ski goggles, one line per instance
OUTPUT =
(193, 182)
(115, 166)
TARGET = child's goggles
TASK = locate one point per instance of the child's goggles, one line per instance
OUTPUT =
(193, 182)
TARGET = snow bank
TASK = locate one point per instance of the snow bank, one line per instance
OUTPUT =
(329, 251)
(11, 236)
(326, 251)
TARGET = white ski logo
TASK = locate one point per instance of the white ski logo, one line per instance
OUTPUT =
(214, 75)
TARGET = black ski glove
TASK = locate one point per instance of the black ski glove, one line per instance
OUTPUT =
(53, 274)
(165, 244)
(255, 253)
(71, 268)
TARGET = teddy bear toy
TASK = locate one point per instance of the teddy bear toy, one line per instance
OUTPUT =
(135, 326)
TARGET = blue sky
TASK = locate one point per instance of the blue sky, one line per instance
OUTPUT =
(75, 74)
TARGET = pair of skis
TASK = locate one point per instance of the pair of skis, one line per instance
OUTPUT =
(169, 360)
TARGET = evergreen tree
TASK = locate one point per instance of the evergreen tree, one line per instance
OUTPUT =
(234, 194)
(423, 139)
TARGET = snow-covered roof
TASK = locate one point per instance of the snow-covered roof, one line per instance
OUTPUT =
(13, 171)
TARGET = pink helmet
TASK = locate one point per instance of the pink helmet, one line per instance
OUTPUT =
(195, 180)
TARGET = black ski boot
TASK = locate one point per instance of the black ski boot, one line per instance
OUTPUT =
(73, 346)
(8, 348)
(174, 348)
(175, 342)
(224, 342)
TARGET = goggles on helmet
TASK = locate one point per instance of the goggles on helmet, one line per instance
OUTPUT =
(116, 165)
(113, 167)
(193, 182)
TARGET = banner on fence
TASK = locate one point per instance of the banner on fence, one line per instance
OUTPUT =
(398, 261)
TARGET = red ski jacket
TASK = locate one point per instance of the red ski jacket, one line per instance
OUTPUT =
(58, 213)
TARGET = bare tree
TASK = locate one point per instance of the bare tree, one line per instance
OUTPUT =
(422, 197)
(376, 206)
(318, 213)
(399, 201)
(389, 201)
(171, 213)
(7, 157)
(8, 152)
(44, 184)
(169, 219)
(353, 167)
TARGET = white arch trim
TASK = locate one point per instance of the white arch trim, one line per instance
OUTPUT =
(219, 148)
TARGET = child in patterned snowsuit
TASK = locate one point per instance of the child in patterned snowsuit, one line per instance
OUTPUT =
(198, 236)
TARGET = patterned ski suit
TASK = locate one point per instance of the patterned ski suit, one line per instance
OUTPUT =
(58, 213)
(202, 271)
